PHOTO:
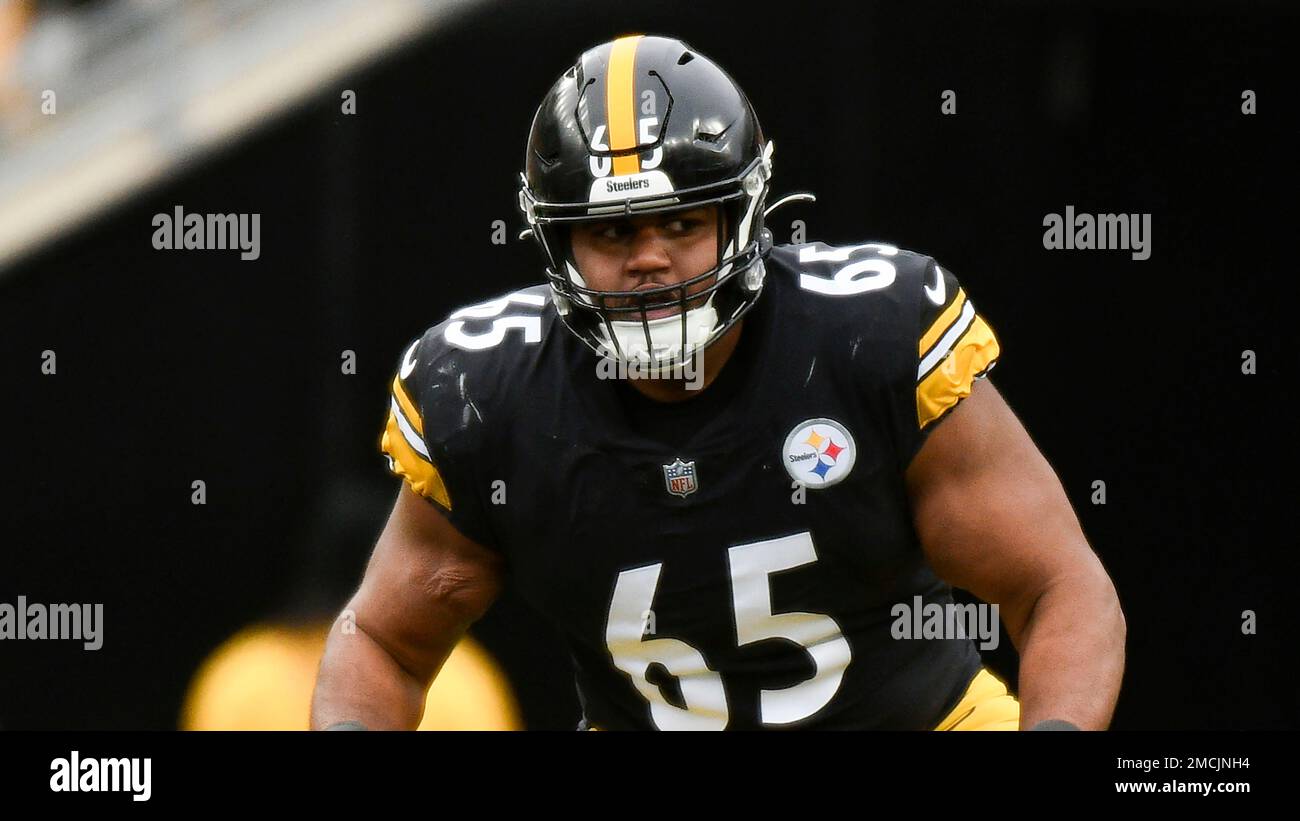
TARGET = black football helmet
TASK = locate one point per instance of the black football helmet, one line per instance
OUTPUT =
(643, 125)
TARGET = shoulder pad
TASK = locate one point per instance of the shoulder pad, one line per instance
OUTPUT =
(448, 381)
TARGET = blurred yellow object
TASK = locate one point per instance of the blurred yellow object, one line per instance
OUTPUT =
(262, 679)
(15, 17)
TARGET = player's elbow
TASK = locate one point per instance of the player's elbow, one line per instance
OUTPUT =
(1101, 600)
(1109, 614)
(1078, 588)
(1115, 613)
(462, 591)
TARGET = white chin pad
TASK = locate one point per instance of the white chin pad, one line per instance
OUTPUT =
(665, 336)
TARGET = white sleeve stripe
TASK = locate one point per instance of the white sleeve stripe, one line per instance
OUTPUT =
(945, 343)
(408, 433)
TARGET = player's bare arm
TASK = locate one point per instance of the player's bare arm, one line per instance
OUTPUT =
(425, 584)
(993, 519)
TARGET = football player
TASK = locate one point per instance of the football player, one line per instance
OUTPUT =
(798, 442)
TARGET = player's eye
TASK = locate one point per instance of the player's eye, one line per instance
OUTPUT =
(612, 230)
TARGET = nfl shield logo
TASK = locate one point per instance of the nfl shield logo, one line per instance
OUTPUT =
(680, 478)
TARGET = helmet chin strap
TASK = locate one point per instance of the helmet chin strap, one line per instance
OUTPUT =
(666, 343)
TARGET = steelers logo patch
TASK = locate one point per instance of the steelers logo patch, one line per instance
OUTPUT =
(819, 453)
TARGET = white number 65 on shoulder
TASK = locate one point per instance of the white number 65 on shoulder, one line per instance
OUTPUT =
(858, 277)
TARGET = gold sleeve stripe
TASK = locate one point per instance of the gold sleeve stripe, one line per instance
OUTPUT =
(620, 103)
(414, 440)
(404, 402)
(951, 382)
(944, 321)
(947, 342)
(411, 465)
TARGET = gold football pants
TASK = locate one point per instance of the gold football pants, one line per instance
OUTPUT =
(986, 705)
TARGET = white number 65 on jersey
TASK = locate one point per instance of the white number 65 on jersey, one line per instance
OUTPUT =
(706, 699)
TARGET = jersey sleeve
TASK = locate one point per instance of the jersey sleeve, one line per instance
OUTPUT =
(956, 346)
(403, 440)
(428, 438)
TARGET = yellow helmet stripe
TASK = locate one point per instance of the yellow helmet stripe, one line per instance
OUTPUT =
(620, 103)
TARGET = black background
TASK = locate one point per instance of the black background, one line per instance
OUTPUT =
(176, 366)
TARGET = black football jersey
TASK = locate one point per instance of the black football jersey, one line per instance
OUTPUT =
(732, 561)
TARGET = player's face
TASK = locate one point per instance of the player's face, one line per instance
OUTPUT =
(653, 250)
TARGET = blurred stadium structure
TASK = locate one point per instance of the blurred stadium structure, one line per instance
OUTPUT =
(135, 90)
(100, 101)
